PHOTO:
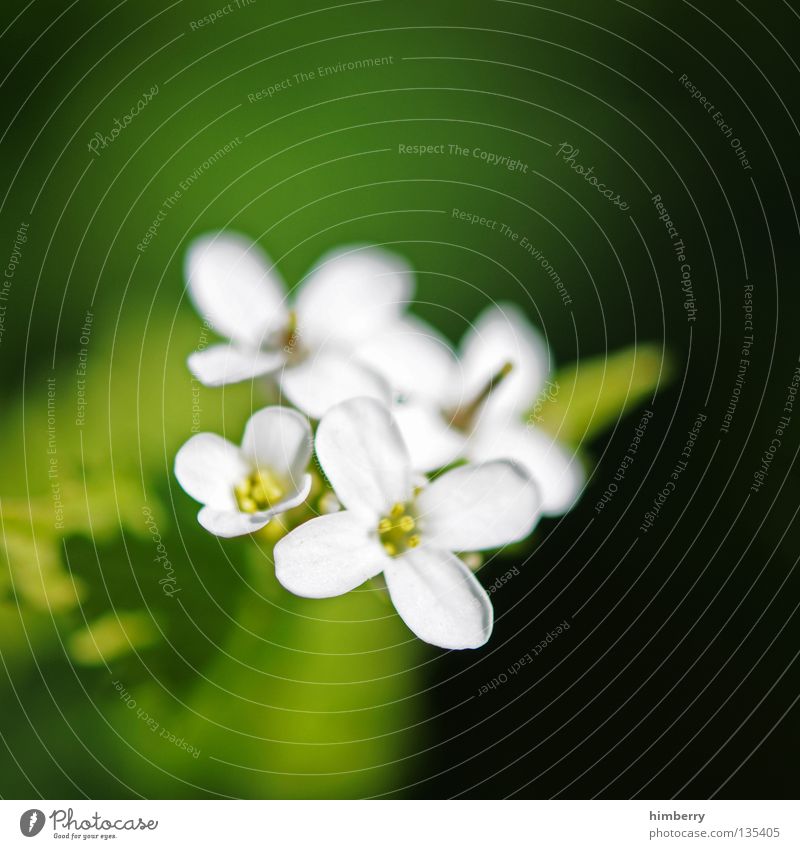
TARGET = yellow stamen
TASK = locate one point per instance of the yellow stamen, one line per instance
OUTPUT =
(395, 530)
(258, 491)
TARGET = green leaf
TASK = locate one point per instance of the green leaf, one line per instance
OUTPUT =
(36, 575)
(589, 396)
(113, 635)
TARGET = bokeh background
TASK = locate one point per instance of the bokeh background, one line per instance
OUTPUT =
(195, 675)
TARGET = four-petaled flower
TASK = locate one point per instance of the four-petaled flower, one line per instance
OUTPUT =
(479, 406)
(393, 402)
(241, 489)
(407, 532)
(350, 297)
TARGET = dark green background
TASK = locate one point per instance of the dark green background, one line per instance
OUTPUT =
(280, 700)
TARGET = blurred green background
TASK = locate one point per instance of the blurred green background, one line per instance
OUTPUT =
(675, 677)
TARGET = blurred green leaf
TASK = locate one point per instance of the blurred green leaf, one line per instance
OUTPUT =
(25, 634)
(37, 576)
(322, 700)
(587, 397)
(113, 635)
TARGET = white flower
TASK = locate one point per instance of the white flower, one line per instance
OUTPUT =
(351, 296)
(476, 407)
(409, 533)
(241, 489)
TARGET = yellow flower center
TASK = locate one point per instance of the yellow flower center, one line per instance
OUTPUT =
(398, 531)
(258, 491)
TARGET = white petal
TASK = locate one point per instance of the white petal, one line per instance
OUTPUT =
(293, 499)
(502, 334)
(233, 287)
(361, 451)
(316, 385)
(439, 599)
(431, 442)
(278, 439)
(208, 467)
(231, 523)
(221, 364)
(473, 507)
(416, 360)
(352, 294)
(328, 556)
(557, 472)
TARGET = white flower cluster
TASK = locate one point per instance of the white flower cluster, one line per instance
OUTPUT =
(393, 403)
